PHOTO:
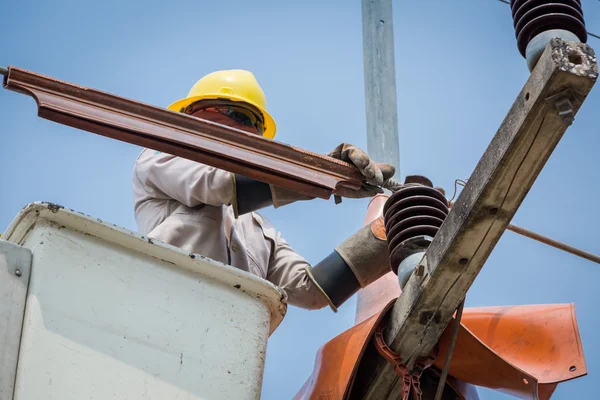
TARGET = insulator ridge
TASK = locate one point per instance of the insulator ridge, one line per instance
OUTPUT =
(411, 214)
(532, 17)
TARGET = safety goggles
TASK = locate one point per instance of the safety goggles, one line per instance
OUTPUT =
(238, 112)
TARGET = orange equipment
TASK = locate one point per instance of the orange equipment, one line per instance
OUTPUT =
(524, 351)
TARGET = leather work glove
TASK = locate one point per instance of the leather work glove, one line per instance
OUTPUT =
(366, 253)
(374, 173)
(358, 261)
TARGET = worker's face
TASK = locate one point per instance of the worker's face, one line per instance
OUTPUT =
(220, 118)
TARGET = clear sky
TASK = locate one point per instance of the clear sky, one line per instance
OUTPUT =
(458, 71)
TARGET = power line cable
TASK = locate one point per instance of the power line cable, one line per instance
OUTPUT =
(538, 237)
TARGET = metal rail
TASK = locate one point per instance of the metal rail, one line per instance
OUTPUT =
(554, 243)
(539, 237)
(189, 137)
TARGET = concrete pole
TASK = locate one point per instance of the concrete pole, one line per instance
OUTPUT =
(382, 128)
(380, 82)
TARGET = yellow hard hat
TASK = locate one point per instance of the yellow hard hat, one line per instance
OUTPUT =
(232, 85)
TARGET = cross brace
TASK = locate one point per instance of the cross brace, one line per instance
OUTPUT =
(535, 123)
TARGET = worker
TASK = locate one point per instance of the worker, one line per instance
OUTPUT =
(212, 212)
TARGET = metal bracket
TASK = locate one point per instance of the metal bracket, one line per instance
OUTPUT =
(185, 136)
(564, 106)
(565, 110)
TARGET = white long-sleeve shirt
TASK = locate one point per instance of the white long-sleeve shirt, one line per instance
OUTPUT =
(188, 205)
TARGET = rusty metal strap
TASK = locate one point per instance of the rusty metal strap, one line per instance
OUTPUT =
(411, 379)
(184, 136)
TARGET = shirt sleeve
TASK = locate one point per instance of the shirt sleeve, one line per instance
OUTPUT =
(287, 270)
(170, 177)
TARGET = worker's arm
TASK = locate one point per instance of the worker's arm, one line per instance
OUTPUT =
(191, 183)
(374, 173)
(355, 263)
(166, 176)
(288, 270)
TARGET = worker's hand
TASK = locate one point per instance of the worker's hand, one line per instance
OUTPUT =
(366, 252)
(375, 174)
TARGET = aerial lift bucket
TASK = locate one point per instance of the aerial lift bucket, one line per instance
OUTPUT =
(101, 312)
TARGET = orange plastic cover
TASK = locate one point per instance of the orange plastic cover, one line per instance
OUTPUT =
(521, 350)
(336, 362)
(511, 348)
(524, 351)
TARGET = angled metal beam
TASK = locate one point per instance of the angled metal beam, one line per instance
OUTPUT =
(539, 117)
(185, 136)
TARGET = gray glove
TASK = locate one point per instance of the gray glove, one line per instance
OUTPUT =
(374, 173)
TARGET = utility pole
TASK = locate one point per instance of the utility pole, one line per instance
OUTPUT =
(380, 82)
(382, 115)
(539, 117)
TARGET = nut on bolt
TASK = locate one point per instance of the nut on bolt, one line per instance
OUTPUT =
(565, 110)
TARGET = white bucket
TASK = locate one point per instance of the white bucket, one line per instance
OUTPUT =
(113, 315)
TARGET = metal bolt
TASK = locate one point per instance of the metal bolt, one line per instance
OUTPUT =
(565, 110)
(17, 272)
(420, 270)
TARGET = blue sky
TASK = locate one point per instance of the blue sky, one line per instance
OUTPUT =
(458, 71)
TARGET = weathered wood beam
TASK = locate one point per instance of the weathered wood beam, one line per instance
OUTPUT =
(537, 120)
